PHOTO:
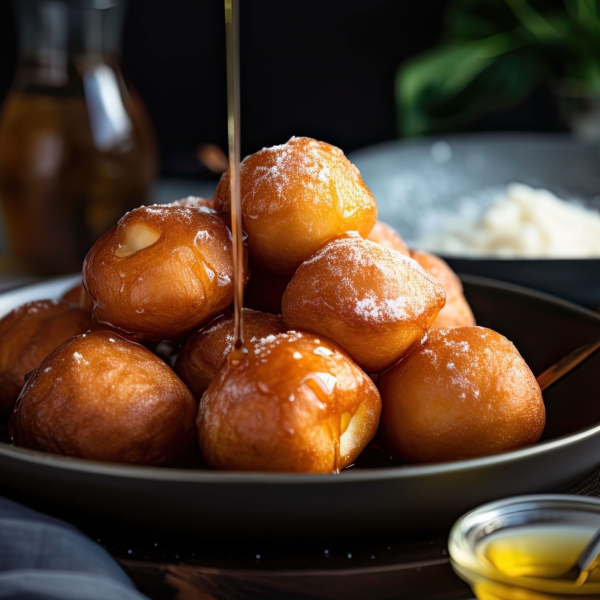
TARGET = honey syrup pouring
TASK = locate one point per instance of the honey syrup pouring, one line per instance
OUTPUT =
(233, 132)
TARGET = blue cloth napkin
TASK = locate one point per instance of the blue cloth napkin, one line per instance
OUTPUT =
(42, 558)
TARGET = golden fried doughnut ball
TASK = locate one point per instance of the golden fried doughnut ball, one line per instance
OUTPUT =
(78, 295)
(387, 236)
(374, 302)
(294, 198)
(27, 335)
(206, 352)
(102, 397)
(295, 404)
(265, 290)
(456, 312)
(464, 392)
(161, 272)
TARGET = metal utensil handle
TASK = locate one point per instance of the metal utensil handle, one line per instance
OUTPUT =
(566, 364)
(590, 554)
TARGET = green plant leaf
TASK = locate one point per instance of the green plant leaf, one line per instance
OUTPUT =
(532, 20)
(441, 74)
(494, 54)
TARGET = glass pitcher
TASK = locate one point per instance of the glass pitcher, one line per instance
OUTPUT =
(76, 148)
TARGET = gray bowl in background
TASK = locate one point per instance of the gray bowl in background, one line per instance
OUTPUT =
(419, 183)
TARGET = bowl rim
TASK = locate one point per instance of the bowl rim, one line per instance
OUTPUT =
(44, 459)
(515, 137)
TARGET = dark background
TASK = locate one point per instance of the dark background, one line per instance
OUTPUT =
(322, 68)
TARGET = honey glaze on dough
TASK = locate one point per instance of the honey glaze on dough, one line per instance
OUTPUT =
(102, 397)
(295, 403)
(205, 353)
(161, 271)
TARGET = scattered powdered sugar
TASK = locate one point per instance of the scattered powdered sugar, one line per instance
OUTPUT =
(301, 161)
(172, 212)
(79, 358)
(463, 363)
(200, 204)
(320, 351)
(371, 282)
(267, 343)
(202, 236)
(374, 310)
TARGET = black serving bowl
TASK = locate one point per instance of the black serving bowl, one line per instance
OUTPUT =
(360, 501)
(418, 183)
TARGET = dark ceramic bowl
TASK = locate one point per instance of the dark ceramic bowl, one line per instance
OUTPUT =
(417, 183)
(360, 501)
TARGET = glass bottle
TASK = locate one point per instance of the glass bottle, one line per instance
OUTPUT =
(76, 148)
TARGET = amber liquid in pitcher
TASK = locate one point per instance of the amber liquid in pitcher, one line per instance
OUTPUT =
(62, 184)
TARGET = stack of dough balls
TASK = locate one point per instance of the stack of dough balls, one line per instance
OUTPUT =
(335, 302)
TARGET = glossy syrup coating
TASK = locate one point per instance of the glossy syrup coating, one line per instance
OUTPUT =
(296, 404)
(456, 311)
(374, 302)
(387, 236)
(78, 295)
(464, 392)
(27, 335)
(294, 198)
(205, 353)
(161, 272)
(102, 397)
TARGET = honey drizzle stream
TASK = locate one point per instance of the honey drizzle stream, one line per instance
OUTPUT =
(233, 130)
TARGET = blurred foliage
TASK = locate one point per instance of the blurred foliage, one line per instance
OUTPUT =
(493, 54)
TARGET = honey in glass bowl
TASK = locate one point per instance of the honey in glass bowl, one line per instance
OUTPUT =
(520, 548)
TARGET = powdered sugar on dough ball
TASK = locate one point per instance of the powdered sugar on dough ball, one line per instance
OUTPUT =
(295, 197)
(374, 302)
(295, 403)
(464, 392)
(194, 201)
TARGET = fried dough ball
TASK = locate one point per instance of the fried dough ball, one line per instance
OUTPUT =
(206, 352)
(374, 302)
(294, 198)
(265, 290)
(102, 397)
(456, 312)
(161, 272)
(296, 404)
(78, 295)
(27, 335)
(464, 392)
(387, 236)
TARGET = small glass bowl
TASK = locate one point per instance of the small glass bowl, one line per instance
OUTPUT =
(572, 520)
